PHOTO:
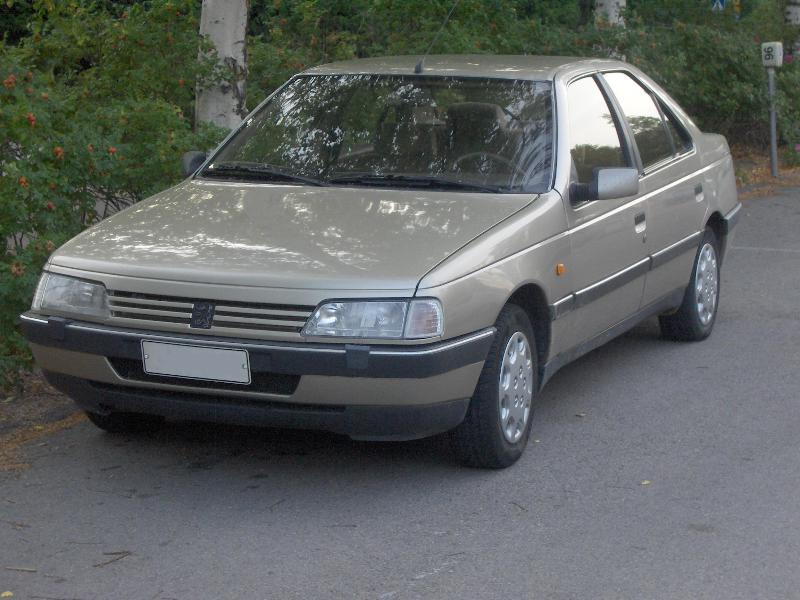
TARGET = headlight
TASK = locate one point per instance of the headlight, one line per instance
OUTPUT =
(70, 295)
(377, 319)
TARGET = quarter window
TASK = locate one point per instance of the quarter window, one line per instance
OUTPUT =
(594, 138)
(681, 139)
(643, 117)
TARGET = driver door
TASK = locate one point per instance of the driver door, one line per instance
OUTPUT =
(609, 253)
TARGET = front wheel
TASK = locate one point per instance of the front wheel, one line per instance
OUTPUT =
(495, 431)
(694, 320)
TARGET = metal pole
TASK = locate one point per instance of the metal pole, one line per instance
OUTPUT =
(773, 122)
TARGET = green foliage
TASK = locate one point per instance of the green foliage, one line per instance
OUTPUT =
(710, 62)
(98, 105)
(95, 112)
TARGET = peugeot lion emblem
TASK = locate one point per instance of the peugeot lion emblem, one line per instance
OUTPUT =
(202, 315)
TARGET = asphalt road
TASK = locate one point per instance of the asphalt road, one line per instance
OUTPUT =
(209, 512)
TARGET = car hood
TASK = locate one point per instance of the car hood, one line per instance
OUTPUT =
(287, 236)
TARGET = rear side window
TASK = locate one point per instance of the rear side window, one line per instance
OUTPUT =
(594, 139)
(644, 118)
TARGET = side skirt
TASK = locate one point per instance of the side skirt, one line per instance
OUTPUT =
(668, 302)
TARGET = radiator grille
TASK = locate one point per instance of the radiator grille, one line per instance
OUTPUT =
(227, 316)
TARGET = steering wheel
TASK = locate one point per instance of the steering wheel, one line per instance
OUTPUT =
(471, 155)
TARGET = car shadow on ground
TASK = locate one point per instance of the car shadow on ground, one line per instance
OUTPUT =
(203, 445)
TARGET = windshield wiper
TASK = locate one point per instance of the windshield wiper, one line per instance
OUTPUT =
(430, 181)
(255, 171)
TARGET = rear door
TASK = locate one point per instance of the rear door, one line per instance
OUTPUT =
(670, 181)
(609, 258)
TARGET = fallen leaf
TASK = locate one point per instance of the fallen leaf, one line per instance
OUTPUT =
(6, 594)
(23, 569)
(645, 482)
(580, 415)
(536, 441)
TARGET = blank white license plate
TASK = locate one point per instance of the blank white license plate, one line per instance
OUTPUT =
(196, 362)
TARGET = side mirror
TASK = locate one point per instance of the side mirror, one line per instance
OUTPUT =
(607, 184)
(616, 183)
(191, 161)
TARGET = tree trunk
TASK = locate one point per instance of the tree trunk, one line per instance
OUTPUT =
(609, 12)
(792, 17)
(585, 8)
(224, 23)
(792, 13)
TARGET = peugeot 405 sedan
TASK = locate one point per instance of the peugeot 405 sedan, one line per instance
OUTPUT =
(391, 252)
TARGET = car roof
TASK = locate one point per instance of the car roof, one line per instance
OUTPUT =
(468, 65)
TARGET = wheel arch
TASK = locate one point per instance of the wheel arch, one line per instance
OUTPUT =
(531, 298)
(716, 223)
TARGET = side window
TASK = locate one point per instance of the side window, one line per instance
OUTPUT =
(681, 139)
(643, 117)
(594, 140)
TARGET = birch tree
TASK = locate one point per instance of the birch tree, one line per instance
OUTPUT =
(792, 13)
(610, 11)
(224, 23)
(792, 17)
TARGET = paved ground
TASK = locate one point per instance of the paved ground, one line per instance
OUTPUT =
(205, 512)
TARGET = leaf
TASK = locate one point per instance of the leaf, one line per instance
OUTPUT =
(645, 482)
(6, 594)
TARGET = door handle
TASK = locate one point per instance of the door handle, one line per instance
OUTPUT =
(640, 224)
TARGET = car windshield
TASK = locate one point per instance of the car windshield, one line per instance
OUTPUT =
(474, 134)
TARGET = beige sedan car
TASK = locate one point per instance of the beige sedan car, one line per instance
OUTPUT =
(391, 254)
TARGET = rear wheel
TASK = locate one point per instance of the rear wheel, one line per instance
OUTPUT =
(125, 422)
(495, 431)
(694, 320)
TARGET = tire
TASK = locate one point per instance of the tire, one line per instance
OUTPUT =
(490, 436)
(695, 318)
(125, 422)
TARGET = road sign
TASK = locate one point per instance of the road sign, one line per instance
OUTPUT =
(772, 54)
(771, 58)
(718, 5)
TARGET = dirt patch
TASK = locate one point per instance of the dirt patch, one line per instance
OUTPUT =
(753, 174)
(37, 410)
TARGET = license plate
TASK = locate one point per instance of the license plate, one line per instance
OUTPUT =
(196, 362)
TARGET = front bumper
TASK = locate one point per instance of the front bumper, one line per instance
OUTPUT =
(366, 392)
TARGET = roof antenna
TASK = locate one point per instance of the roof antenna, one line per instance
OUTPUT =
(419, 66)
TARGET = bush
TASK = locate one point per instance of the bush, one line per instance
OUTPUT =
(97, 102)
(95, 112)
(709, 61)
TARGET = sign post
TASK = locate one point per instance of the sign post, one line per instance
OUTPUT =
(772, 58)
